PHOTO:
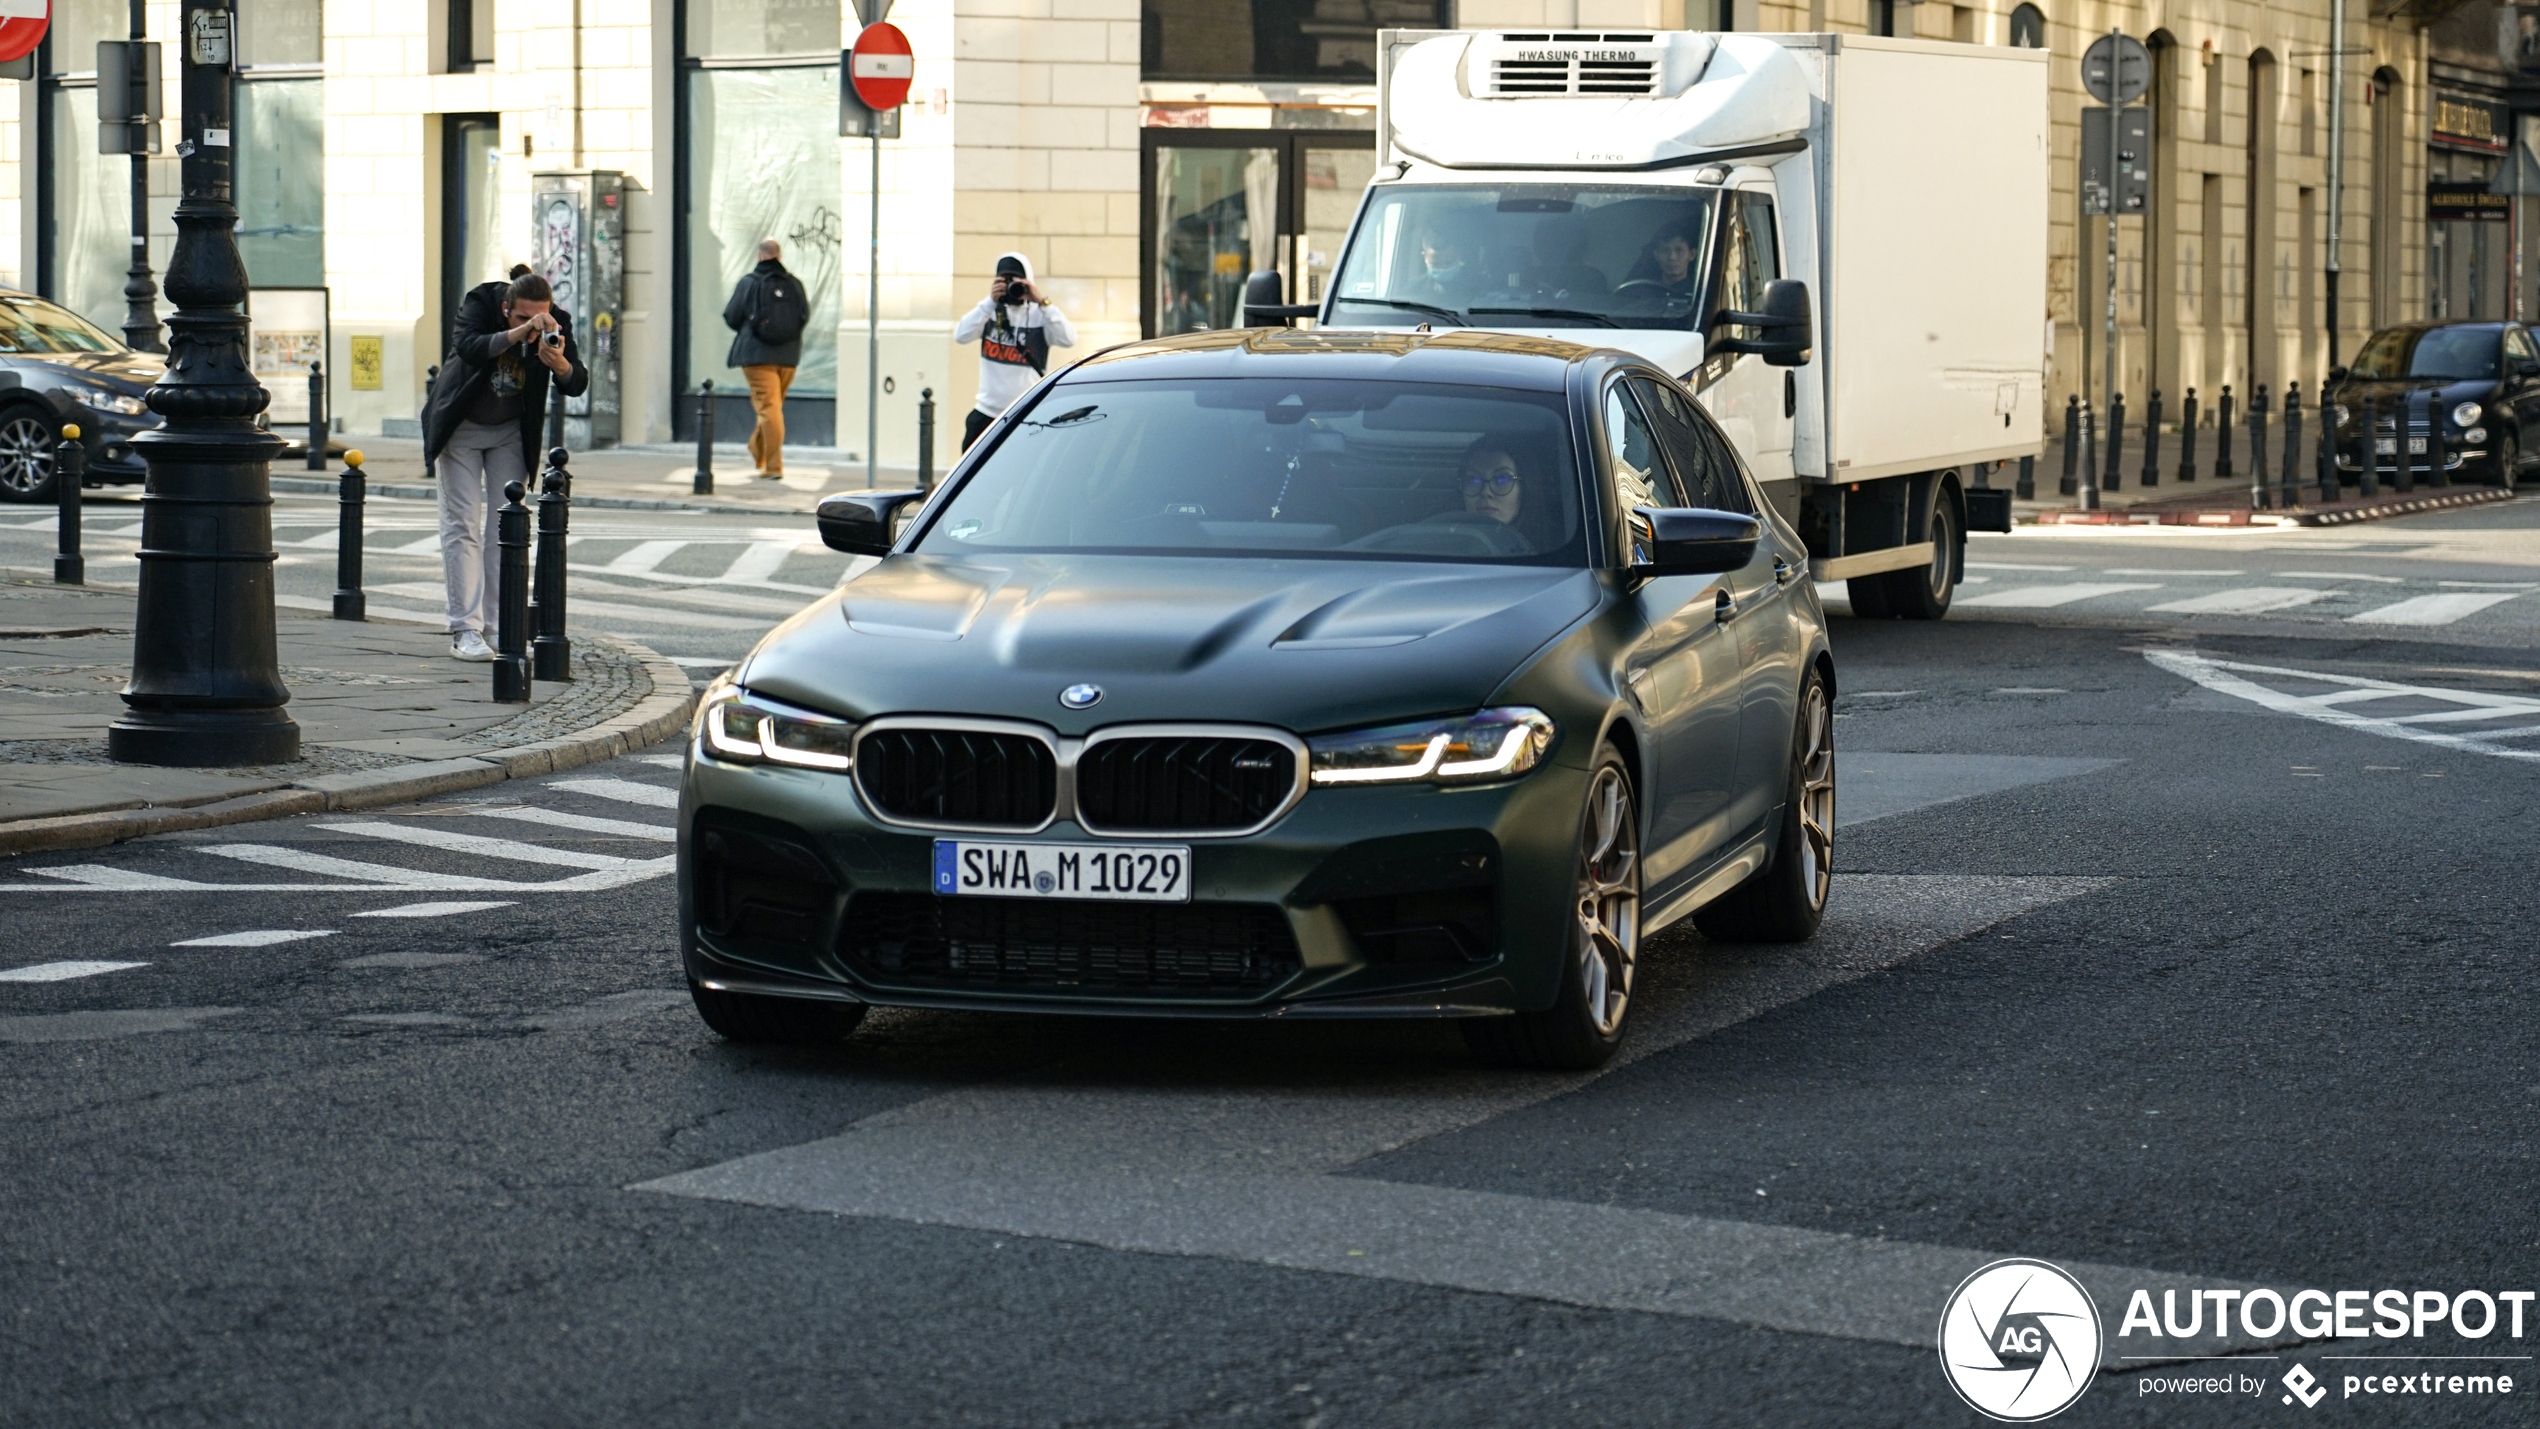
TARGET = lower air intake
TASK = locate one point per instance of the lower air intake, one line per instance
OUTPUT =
(919, 940)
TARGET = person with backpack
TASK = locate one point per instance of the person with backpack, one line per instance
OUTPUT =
(1015, 329)
(767, 315)
(480, 432)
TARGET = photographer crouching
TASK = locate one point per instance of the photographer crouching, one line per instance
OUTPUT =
(480, 432)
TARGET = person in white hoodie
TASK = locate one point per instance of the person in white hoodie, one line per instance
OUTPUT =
(1015, 329)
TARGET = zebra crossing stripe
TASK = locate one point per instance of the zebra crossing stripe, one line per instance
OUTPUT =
(2248, 600)
(644, 556)
(625, 791)
(453, 842)
(760, 560)
(585, 823)
(2440, 609)
(63, 972)
(2040, 597)
(302, 861)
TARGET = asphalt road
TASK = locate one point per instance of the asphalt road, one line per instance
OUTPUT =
(2190, 948)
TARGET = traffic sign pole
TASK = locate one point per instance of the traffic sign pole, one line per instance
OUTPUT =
(2116, 71)
(879, 70)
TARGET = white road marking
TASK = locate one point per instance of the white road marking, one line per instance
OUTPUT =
(428, 546)
(760, 560)
(644, 556)
(707, 595)
(667, 576)
(2161, 571)
(586, 823)
(434, 910)
(663, 761)
(2038, 597)
(2008, 566)
(2339, 576)
(625, 791)
(63, 972)
(120, 880)
(2248, 600)
(702, 662)
(2232, 677)
(2491, 585)
(2432, 609)
(481, 846)
(303, 861)
(258, 938)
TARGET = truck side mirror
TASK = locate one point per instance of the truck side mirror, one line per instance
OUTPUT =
(864, 523)
(1266, 306)
(1787, 319)
(1689, 541)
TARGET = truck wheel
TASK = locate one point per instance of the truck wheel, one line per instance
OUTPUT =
(1923, 592)
(1868, 597)
(1785, 900)
(746, 1017)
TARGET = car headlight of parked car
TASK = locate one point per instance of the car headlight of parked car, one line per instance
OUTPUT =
(2465, 414)
(2474, 435)
(741, 728)
(1490, 744)
(2337, 415)
(109, 401)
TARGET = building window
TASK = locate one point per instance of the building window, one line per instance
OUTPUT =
(2028, 28)
(278, 123)
(1281, 39)
(1891, 17)
(468, 35)
(84, 243)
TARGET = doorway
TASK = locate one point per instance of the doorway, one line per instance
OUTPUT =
(471, 189)
(1221, 204)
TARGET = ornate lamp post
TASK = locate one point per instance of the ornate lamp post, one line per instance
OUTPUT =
(206, 682)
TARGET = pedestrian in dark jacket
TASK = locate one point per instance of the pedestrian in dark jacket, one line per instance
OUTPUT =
(767, 315)
(480, 431)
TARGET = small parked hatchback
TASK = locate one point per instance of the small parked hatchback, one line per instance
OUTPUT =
(2479, 381)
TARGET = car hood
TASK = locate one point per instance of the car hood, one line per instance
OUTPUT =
(130, 373)
(1306, 645)
(2355, 391)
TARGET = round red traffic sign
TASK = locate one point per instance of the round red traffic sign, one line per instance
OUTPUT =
(881, 66)
(22, 25)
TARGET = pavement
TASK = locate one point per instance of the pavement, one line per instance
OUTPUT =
(633, 477)
(2209, 499)
(385, 716)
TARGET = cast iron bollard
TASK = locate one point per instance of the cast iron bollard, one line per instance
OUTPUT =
(351, 490)
(2260, 497)
(552, 653)
(704, 484)
(2116, 443)
(511, 620)
(317, 418)
(2089, 460)
(2289, 485)
(2327, 475)
(2222, 436)
(2071, 483)
(2187, 438)
(70, 469)
(555, 414)
(926, 440)
(2025, 489)
(2152, 442)
(2403, 476)
(2368, 448)
(2436, 448)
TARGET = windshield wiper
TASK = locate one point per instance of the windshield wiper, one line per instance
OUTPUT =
(1450, 314)
(1600, 319)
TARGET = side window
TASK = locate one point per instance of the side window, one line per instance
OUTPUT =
(1639, 474)
(1763, 243)
(1704, 465)
(2519, 347)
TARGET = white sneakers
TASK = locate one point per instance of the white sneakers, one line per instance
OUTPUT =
(468, 645)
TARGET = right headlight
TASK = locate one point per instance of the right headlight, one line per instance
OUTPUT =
(738, 727)
(2337, 415)
(1491, 744)
(2465, 415)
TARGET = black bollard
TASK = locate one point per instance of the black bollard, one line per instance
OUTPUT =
(431, 376)
(2403, 475)
(926, 440)
(2289, 486)
(2187, 438)
(2437, 450)
(351, 490)
(2222, 436)
(2368, 447)
(511, 612)
(70, 472)
(2116, 443)
(555, 414)
(2261, 497)
(2071, 483)
(317, 418)
(551, 652)
(2025, 489)
(2327, 475)
(2152, 442)
(2089, 460)
(704, 484)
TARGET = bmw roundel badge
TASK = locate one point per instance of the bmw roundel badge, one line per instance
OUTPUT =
(1080, 697)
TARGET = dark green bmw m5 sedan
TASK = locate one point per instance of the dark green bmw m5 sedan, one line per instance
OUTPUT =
(1278, 674)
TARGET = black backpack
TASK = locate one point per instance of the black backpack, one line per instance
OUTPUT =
(781, 314)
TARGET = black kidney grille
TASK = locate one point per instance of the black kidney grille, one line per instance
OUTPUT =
(1070, 945)
(954, 776)
(1167, 784)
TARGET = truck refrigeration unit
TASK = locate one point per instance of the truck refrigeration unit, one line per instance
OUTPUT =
(1838, 242)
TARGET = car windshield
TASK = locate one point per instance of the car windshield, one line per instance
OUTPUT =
(1273, 466)
(34, 325)
(2457, 353)
(1526, 256)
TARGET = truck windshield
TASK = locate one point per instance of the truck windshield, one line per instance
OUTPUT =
(1298, 468)
(2459, 353)
(1526, 256)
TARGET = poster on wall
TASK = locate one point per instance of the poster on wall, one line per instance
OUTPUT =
(286, 333)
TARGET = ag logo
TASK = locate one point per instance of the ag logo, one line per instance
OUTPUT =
(2306, 1386)
(2019, 1340)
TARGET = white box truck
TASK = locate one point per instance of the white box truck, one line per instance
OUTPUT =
(1838, 242)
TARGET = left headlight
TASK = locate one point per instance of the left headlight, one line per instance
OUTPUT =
(2465, 415)
(1491, 744)
(738, 727)
(2337, 415)
(109, 401)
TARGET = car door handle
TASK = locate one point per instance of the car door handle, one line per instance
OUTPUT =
(1782, 571)
(1724, 608)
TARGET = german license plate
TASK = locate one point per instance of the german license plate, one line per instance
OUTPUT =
(1130, 873)
(2389, 446)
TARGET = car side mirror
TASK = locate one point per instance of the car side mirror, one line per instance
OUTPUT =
(864, 523)
(2337, 374)
(1689, 541)
(1787, 320)
(1266, 306)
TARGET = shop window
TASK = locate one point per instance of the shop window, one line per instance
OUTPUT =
(278, 128)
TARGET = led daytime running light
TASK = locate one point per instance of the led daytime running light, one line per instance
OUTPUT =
(1428, 765)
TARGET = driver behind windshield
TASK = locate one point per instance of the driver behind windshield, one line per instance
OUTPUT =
(1446, 275)
(1492, 478)
(1668, 261)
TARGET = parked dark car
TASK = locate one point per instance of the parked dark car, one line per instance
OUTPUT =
(2483, 379)
(1278, 674)
(57, 367)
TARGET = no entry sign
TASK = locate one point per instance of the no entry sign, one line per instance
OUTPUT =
(22, 25)
(880, 66)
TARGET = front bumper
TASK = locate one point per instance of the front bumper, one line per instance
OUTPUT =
(1401, 901)
(112, 460)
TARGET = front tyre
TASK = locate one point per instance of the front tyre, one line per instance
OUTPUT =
(26, 455)
(2508, 459)
(1924, 592)
(1784, 901)
(748, 1017)
(1585, 1023)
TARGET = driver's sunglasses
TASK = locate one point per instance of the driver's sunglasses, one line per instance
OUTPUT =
(1498, 483)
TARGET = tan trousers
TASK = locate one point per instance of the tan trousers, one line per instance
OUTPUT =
(767, 398)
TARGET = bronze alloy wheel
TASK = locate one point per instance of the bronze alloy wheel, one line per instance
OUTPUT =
(26, 458)
(1609, 900)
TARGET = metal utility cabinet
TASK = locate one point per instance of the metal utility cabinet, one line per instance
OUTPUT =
(578, 238)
